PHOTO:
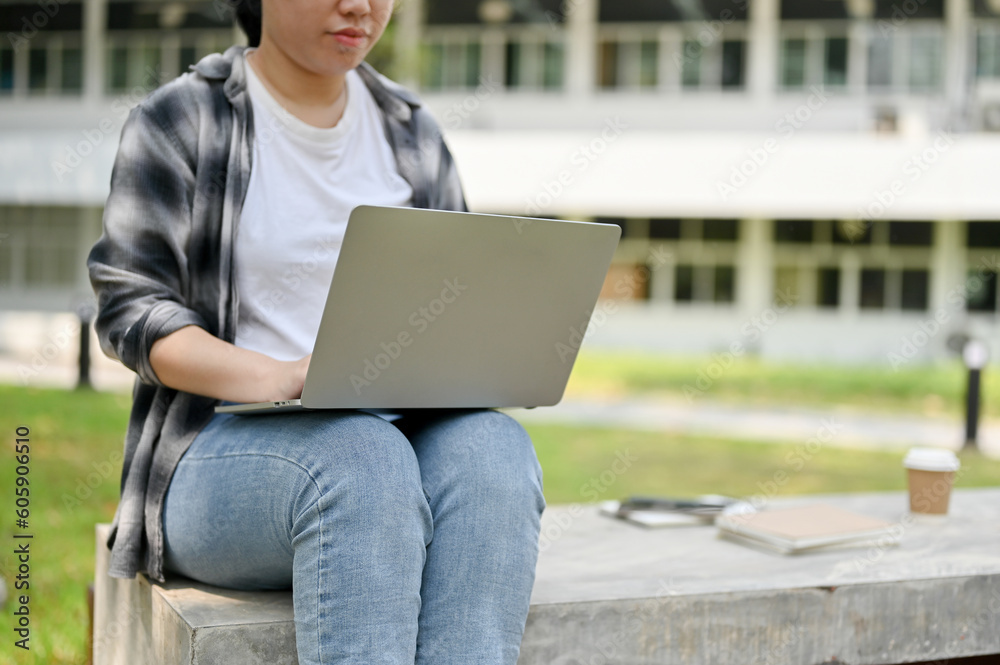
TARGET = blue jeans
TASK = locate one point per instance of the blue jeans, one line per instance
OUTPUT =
(413, 541)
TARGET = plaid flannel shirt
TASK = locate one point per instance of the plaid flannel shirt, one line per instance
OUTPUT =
(165, 258)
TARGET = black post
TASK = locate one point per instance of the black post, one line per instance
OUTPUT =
(975, 354)
(84, 380)
(972, 408)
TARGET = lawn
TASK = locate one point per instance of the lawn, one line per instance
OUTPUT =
(75, 447)
(75, 468)
(926, 389)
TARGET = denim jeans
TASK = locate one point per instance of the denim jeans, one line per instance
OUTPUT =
(412, 541)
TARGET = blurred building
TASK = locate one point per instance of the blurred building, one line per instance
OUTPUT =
(69, 73)
(797, 178)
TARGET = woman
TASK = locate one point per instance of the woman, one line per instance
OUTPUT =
(410, 541)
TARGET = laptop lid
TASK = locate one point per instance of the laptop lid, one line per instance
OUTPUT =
(440, 309)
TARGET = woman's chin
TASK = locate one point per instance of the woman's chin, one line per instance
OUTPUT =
(335, 63)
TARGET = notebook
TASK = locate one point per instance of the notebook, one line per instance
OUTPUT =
(807, 528)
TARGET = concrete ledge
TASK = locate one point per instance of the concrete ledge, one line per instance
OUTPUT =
(137, 622)
(610, 592)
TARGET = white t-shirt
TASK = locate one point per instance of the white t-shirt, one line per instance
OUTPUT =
(304, 182)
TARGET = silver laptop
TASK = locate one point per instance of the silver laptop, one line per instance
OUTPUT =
(434, 309)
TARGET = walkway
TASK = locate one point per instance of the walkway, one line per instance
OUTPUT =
(766, 424)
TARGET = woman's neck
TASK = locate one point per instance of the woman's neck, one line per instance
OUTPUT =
(314, 99)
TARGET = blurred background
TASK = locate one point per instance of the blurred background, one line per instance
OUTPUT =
(837, 155)
(807, 189)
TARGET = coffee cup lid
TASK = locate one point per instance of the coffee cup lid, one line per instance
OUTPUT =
(931, 459)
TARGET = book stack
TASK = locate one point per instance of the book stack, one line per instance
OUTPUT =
(663, 511)
(808, 528)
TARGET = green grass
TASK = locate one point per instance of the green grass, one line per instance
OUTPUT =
(70, 434)
(925, 389)
(579, 465)
(77, 436)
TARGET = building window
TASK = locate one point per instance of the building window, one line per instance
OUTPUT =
(6, 69)
(552, 72)
(793, 231)
(835, 61)
(649, 58)
(852, 232)
(628, 63)
(38, 68)
(705, 283)
(814, 54)
(432, 66)
(140, 61)
(793, 63)
(188, 57)
(983, 234)
(795, 285)
(635, 57)
(880, 62)
(911, 234)
(41, 57)
(117, 77)
(872, 289)
(805, 9)
(72, 70)
(726, 230)
(908, 59)
(657, 11)
(134, 66)
(981, 291)
(694, 260)
(924, 9)
(988, 52)
(914, 290)
(50, 64)
(906, 289)
(532, 65)
(460, 65)
(448, 12)
(925, 56)
(732, 64)
(691, 64)
(828, 287)
(40, 246)
(150, 43)
(451, 65)
(807, 254)
(455, 59)
(665, 229)
(684, 283)
(719, 65)
(724, 284)
(607, 71)
(699, 232)
(786, 284)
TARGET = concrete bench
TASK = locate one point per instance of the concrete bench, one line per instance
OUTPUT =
(610, 592)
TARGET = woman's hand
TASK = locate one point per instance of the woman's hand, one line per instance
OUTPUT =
(290, 378)
(194, 361)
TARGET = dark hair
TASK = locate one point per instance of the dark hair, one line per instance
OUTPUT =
(248, 18)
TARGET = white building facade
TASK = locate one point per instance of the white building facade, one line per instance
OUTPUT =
(812, 179)
(795, 178)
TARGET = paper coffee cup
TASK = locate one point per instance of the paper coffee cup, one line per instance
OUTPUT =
(931, 473)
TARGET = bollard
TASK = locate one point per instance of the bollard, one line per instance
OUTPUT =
(85, 311)
(975, 354)
(84, 378)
